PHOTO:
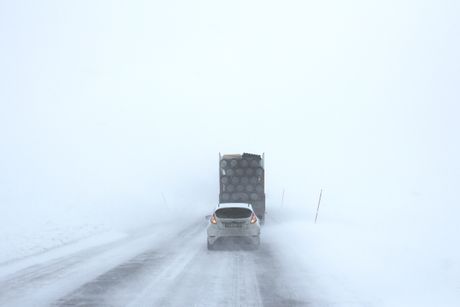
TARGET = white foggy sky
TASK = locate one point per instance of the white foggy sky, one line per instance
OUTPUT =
(99, 99)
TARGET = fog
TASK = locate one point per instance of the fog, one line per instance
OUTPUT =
(112, 107)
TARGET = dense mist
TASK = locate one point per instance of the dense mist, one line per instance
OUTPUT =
(114, 108)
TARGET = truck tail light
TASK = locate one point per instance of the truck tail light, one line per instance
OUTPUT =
(213, 219)
(253, 218)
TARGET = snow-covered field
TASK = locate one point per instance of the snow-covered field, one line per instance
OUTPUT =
(353, 263)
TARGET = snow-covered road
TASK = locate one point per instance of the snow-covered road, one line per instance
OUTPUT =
(154, 267)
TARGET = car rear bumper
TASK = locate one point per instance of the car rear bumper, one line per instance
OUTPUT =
(254, 240)
(251, 234)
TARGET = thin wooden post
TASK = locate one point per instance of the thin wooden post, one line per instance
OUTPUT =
(282, 199)
(319, 203)
(165, 202)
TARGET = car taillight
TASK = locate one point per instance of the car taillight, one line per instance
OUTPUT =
(213, 219)
(253, 218)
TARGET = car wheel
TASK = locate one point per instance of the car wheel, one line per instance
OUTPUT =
(210, 246)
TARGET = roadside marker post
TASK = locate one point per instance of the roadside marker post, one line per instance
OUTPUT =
(319, 203)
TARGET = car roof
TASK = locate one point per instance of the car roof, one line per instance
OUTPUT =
(234, 205)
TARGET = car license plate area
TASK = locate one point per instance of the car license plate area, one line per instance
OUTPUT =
(233, 225)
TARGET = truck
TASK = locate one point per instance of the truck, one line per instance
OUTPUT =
(242, 180)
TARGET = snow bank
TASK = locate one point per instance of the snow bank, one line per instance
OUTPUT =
(351, 263)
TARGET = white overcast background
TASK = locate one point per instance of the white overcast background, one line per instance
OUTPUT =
(121, 107)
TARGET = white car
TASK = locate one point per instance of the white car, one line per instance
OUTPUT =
(233, 220)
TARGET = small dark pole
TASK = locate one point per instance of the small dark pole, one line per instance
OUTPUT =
(319, 203)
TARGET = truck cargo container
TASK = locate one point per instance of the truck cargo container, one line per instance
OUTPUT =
(242, 179)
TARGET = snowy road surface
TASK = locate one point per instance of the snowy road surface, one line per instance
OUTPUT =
(154, 267)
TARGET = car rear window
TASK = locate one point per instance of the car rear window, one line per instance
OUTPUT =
(233, 213)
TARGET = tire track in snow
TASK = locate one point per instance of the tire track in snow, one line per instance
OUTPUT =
(120, 285)
(178, 272)
(43, 283)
